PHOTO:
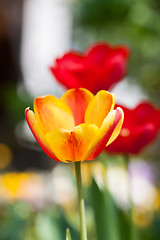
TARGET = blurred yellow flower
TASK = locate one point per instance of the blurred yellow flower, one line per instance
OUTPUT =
(16, 186)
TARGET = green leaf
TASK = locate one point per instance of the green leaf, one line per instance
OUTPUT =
(106, 219)
(68, 235)
(112, 216)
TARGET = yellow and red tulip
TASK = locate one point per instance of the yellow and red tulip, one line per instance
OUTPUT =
(77, 126)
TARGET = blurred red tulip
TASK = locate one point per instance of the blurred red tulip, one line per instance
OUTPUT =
(140, 128)
(100, 67)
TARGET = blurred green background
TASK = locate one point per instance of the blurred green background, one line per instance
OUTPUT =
(37, 195)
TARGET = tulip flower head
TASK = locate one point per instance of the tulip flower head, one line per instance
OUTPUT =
(77, 126)
(100, 67)
(140, 128)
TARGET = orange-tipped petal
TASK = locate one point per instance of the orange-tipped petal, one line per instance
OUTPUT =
(38, 133)
(72, 146)
(83, 136)
(78, 100)
(53, 113)
(61, 144)
(108, 132)
(99, 107)
(118, 125)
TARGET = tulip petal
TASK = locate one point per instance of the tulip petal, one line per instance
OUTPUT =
(83, 136)
(100, 67)
(64, 68)
(98, 53)
(61, 144)
(51, 113)
(77, 100)
(99, 107)
(139, 129)
(129, 117)
(122, 50)
(38, 133)
(72, 146)
(65, 77)
(71, 61)
(146, 112)
(122, 144)
(143, 135)
(108, 132)
(118, 125)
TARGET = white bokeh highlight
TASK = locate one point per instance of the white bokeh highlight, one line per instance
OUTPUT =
(46, 35)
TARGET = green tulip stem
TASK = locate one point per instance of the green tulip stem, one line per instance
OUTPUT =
(81, 202)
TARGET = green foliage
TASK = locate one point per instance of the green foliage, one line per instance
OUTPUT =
(14, 220)
(68, 235)
(13, 104)
(106, 215)
(19, 221)
(46, 226)
(97, 13)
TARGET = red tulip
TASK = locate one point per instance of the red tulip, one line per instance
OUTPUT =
(140, 128)
(100, 67)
